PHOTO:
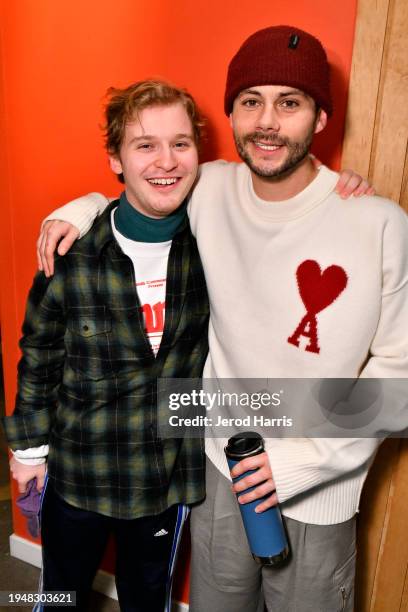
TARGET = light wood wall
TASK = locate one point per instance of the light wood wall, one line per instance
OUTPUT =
(376, 135)
(375, 145)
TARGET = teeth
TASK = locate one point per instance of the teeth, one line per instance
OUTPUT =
(162, 181)
(267, 147)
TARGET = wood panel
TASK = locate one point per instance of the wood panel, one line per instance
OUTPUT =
(371, 519)
(393, 558)
(375, 144)
(391, 125)
(404, 189)
(404, 601)
(364, 84)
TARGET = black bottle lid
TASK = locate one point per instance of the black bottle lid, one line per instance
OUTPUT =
(243, 445)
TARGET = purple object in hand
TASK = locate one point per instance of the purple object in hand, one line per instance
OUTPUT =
(30, 504)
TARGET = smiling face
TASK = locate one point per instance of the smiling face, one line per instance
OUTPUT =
(273, 128)
(158, 158)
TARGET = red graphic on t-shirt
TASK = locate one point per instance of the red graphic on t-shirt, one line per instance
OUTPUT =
(318, 290)
(154, 317)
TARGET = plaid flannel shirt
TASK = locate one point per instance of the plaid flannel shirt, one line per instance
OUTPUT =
(87, 378)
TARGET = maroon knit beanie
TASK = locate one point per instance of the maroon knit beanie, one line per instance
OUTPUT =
(280, 55)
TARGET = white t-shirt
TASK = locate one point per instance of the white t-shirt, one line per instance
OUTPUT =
(150, 266)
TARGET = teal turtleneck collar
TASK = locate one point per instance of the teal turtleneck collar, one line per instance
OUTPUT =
(135, 226)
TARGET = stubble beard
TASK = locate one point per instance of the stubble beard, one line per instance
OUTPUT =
(297, 151)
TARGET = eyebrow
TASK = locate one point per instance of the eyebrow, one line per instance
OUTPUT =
(296, 92)
(282, 94)
(150, 137)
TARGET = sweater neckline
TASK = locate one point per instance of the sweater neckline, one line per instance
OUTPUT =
(140, 250)
(302, 203)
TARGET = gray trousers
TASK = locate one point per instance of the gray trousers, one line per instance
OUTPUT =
(319, 576)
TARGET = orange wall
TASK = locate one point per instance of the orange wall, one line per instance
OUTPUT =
(58, 59)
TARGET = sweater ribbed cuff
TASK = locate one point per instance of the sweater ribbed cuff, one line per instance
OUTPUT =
(80, 212)
(292, 476)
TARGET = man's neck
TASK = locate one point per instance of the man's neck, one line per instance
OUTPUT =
(285, 187)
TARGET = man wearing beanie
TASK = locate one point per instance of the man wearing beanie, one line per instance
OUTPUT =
(301, 285)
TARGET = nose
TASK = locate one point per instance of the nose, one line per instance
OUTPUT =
(268, 119)
(166, 159)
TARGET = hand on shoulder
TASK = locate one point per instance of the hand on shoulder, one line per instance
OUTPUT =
(54, 234)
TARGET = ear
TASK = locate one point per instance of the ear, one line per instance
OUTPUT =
(321, 121)
(231, 121)
(115, 164)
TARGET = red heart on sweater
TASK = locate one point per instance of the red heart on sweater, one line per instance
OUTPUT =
(319, 289)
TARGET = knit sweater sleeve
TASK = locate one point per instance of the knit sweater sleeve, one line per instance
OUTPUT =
(326, 459)
(81, 212)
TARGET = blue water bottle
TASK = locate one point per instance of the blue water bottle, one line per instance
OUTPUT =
(265, 531)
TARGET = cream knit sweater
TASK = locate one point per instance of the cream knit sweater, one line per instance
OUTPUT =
(264, 264)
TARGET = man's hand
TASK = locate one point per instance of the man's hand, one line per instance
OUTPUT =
(262, 477)
(51, 234)
(349, 183)
(353, 184)
(23, 473)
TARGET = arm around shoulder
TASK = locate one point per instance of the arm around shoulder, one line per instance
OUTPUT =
(81, 212)
(65, 225)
